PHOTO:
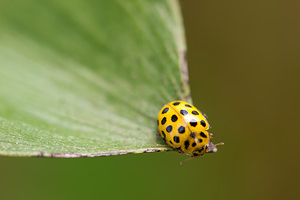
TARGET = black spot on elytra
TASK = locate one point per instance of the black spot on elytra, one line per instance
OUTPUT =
(176, 139)
(203, 123)
(188, 105)
(195, 112)
(169, 128)
(165, 110)
(203, 135)
(181, 129)
(200, 150)
(186, 144)
(176, 103)
(195, 154)
(192, 134)
(171, 142)
(193, 123)
(164, 139)
(194, 144)
(183, 112)
(174, 118)
(163, 133)
(200, 140)
(163, 121)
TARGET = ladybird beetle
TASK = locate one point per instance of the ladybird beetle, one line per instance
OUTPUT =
(185, 128)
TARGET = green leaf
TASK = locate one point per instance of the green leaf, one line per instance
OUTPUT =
(87, 78)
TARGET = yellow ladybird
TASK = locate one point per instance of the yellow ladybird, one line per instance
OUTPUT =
(185, 128)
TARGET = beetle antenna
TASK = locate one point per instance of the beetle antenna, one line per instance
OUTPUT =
(221, 143)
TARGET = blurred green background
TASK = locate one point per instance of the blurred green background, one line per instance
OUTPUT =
(244, 72)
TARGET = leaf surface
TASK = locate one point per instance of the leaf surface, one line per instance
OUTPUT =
(87, 78)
